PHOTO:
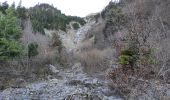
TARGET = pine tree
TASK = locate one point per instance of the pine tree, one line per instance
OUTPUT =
(10, 33)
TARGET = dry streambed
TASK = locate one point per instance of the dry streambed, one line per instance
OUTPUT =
(72, 84)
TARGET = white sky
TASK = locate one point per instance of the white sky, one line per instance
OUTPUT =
(69, 7)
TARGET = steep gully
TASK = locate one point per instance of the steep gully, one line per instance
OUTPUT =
(69, 84)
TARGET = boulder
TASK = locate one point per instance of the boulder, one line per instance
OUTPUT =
(53, 69)
(82, 96)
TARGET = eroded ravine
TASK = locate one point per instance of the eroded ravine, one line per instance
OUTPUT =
(69, 83)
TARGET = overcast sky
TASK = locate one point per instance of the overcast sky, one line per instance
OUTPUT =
(69, 7)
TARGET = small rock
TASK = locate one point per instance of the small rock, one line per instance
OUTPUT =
(82, 97)
(76, 66)
(74, 82)
(53, 69)
(108, 92)
(168, 93)
(54, 81)
(95, 81)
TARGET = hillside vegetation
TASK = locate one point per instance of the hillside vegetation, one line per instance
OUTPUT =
(46, 16)
(42, 16)
(124, 49)
(10, 33)
(138, 31)
(25, 47)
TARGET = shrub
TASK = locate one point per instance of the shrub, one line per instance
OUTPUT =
(10, 33)
(76, 26)
(125, 59)
(32, 49)
(128, 57)
(95, 59)
(56, 42)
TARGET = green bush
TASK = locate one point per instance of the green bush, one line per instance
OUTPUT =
(138, 56)
(125, 59)
(128, 57)
(3, 7)
(32, 49)
(127, 52)
(76, 26)
(10, 34)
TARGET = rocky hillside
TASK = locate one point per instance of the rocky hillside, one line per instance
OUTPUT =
(138, 32)
(120, 53)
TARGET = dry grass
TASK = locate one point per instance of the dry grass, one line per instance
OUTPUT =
(133, 86)
(16, 73)
(95, 59)
(86, 44)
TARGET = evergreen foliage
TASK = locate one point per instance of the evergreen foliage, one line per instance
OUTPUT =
(21, 12)
(128, 57)
(3, 7)
(10, 33)
(46, 16)
(32, 49)
(76, 26)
